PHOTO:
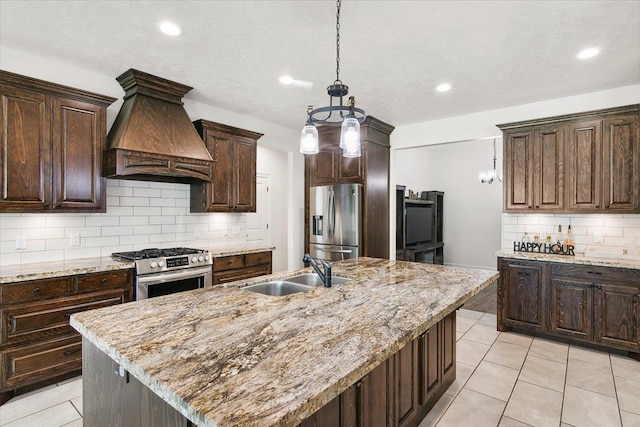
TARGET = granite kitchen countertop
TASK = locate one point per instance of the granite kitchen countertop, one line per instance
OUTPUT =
(224, 356)
(45, 270)
(577, 259)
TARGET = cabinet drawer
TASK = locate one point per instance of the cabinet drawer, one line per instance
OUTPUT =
(30, 364)
(101, 281)
(620, 276)
(34, 289)
(29, 322)
(244, 273)
(228, 262)
(258, 258)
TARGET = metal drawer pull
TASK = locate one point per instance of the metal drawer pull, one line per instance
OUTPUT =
(70, 352)
(36, 290)
(67, 315)
(597, 273)
(104, 280)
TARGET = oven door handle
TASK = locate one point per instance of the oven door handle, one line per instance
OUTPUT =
(169, 276)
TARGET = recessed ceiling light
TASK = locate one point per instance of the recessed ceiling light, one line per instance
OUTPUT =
(589, 52)
(444, 87)
(169, 28)
(286, 80)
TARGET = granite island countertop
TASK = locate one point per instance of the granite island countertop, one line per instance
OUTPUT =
(46, 270)
(224, 356)
(620, 262)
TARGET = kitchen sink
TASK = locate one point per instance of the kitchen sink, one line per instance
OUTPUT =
(278, 288)
(312, 279)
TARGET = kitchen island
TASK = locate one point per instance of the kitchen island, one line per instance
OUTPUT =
(225, 356)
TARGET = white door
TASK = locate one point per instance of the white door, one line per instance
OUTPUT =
(258, 223)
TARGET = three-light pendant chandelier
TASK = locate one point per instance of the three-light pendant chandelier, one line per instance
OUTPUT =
(336, 114)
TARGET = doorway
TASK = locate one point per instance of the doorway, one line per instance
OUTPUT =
(258, 222)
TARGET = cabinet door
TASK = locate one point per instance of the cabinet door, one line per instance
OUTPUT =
(406, 384)
(375, 394)
(430, 374)
(244, 179)
(324, 167)
(620, 163)
(571, 308)
(350, 168)
(220, 192)
(547, 169)
(25, 151)
(78, 144)
(584, 166)
(524, 296)
(518, 188)
(616, 316)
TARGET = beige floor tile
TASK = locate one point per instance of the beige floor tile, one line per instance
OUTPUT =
(436, 412)
(515, 338)
(489, 320)
(77, 403)
(534, 405)
(625, 367)
(629, 419)
(46, 398)
(470, 352)
(493, 380)
(505, 354)
(472, 409)
(549, 350)
(54, 416)
(463, 372)
(628, 395)
(587, 408)
(469, 314)
(590, 376)
(589, 355)
(76, 423)
(459, 335)
(482, 333)
(510, 422)
(70, 380)
(463, 324)
(543, 372)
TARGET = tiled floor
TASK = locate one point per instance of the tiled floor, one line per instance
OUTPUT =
(503, 379)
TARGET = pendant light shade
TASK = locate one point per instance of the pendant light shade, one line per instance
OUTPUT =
(488, 176)
(338, 113)
(309, 140)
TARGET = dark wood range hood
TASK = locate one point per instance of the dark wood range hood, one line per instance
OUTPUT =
(152, 138)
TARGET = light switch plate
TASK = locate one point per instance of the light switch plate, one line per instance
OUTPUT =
(21, 242)
(74, 239)
(597, 237)
(235, 230)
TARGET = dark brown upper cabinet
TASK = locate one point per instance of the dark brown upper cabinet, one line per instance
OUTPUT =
(233, 188)
(586, 162)
(53, 139)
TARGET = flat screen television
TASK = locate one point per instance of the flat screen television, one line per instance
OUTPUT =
(418, 223)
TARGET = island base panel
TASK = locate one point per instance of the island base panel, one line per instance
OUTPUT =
(109, 399)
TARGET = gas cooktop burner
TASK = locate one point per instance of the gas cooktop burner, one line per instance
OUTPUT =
(156, 253)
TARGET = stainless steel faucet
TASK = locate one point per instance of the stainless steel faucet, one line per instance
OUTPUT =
(326, 276)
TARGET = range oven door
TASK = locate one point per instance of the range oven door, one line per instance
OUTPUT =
(170, 282)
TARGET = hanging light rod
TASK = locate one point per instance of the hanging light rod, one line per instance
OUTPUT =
(336, 114)
(487, 177)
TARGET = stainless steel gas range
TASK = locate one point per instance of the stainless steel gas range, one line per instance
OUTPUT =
(166, 271)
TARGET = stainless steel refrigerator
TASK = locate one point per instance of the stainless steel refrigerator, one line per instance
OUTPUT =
(335, 221)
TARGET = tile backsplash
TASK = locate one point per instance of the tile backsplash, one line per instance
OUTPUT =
(139, 215)
(619, 234)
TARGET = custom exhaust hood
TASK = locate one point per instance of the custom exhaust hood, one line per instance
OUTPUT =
(152, 138)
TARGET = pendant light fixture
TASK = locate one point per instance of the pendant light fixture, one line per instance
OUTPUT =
(336, 114)
(487, 177)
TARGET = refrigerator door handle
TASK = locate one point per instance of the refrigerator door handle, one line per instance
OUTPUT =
(332, 213)
(337, 251)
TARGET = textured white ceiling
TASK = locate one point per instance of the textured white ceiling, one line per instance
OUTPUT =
(393, 53)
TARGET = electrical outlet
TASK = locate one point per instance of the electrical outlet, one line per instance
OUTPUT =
(225, 230)
(21, 242)
(597, 237)
(74, 239)
(196, 231)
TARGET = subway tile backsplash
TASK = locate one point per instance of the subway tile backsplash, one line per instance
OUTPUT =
(619, 233)
(139, 215)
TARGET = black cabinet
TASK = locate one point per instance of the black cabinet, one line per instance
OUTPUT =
(429, 246)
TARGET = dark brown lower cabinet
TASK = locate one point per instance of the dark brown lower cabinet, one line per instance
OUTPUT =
(397, 393)
(579, 303)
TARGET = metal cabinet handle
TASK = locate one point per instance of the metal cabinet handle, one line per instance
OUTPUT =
(596, 273)
(36, 290)
(70, 352)
(67, 315)
(104, 280)
(12, 325)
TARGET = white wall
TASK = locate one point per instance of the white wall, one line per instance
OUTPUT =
(286, 172)
(472, 210)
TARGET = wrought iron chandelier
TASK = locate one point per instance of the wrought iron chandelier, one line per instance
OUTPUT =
(336, 114)
(487, 177)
